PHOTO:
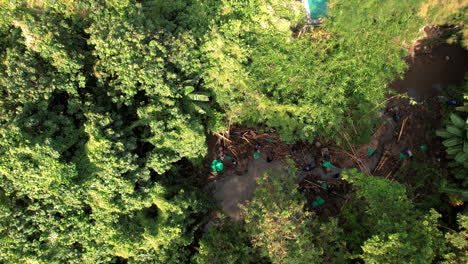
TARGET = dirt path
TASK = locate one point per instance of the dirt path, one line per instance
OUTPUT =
(233, 189)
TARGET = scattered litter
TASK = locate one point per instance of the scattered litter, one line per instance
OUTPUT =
(257, 147)
(227, 158)
(325, 153)
(405, 153)
(217, 165)
(328, 165)
(269, 140)
(452, 102)
(269, 159)
(370, 151)
(396, 117)
(324, 185)
(308, 167)
(318, 201)
(424, 147)
(256, 155)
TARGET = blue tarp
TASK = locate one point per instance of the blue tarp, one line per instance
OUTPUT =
(317, 8)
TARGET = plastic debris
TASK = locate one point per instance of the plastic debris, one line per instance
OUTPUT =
(257, 146)
(269, 140)
(269, 159)
(256, 155)
(325, 153)
(452, 102)
(217, 165)
(308, 167)
(318, 201)
(370, 151)
(328, 165)
(424, 148)
(324, 185)
(406, 153)
(227, 158)
(402, 155)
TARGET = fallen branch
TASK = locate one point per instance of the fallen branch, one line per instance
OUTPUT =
(381, 162)
(402, 128)
(356, 157)
(220, 136)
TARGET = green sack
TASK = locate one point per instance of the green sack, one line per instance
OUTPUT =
(256, 155)
(217, 165)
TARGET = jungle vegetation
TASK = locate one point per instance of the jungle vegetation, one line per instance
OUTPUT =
(103, 103)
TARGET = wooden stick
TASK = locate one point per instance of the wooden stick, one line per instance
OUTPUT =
(222, 137)
(246, 140)
(402, 128)
(388, 175)
(381, 163)
(361, 164)
(354, 128)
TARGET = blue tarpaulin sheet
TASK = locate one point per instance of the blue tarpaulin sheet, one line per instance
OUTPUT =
(317, 8)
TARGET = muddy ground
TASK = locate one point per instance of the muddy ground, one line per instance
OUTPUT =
(433, 67)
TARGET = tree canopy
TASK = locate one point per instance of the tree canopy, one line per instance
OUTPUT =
(102, 102)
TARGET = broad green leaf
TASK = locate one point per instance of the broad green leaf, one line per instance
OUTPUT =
(457, 121)
(444, 134)
(451, 142)
(455, 130)
(461, 157)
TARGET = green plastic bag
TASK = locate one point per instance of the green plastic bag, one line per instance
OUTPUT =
(370, 151)
(328, 165)
(256, 155)
(217, 165)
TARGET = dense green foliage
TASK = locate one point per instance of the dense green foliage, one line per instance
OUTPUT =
(314, 88)
(455, 135)
(104, 102)
(94, 109)
(225, 242)
(384, 226)
(283, 232)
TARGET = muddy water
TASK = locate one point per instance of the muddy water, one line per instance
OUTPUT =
(432, 71)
